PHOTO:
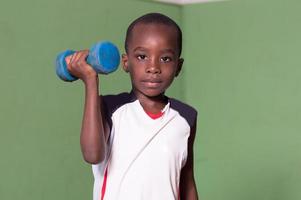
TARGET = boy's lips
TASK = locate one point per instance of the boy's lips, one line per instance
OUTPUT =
(152, 82)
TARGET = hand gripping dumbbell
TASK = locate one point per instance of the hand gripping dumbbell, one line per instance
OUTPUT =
(103, 57)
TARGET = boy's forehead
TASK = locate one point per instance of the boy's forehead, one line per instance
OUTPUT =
(142, 31)
(141, 27)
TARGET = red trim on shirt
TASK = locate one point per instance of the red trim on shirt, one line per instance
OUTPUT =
(155, 115)
(104, 184)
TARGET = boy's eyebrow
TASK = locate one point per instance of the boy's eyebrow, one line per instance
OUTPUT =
(169, 51)
(139, 48)
(163, 51)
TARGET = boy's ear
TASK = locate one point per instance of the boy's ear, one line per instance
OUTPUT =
(180, 64)
(125, 64)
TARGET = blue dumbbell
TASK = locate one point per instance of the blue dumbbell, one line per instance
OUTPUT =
(103, 57)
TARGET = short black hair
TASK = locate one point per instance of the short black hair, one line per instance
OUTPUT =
(154, 18)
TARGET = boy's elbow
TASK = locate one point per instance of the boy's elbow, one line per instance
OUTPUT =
(94, 158)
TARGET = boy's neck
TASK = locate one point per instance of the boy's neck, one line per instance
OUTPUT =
(153, 104)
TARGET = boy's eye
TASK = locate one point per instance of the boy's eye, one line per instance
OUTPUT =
(166, 59)
(141, 57)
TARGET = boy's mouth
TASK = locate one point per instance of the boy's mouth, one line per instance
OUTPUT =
(152, 83)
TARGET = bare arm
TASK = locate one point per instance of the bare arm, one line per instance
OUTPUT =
(188, 189)
(94, 129)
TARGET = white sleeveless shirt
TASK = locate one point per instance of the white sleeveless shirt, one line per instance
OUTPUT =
(145, 156)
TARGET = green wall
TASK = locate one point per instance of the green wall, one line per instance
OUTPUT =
(242, 72)
(40, 115)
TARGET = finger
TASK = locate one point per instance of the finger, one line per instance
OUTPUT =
(83, 54)
(72, 56)
(76, 62)
(72, 61)
(68, 59)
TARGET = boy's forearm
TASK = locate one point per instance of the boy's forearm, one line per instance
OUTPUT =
(92, 132)
(192, 194)
(189, 192)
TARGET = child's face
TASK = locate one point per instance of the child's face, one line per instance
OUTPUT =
(152, 58)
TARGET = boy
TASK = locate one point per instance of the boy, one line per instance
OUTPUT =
(140, 143)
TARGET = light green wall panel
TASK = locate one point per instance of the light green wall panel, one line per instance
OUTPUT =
(242, 72)
(40, 115)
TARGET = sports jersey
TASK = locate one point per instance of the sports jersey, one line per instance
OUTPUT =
(145, 156)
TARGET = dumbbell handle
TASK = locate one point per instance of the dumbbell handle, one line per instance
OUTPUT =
(103, 57)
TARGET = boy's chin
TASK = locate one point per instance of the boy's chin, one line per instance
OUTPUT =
(152, 93)
(155, 95)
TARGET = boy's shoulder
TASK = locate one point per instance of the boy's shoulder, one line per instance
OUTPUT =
(113, 101)
(116, 98)
(186, 111)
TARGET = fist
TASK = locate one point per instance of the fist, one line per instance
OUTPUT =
(78, 66)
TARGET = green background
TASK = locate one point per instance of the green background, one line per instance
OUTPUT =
(244, 76)
(241, 71)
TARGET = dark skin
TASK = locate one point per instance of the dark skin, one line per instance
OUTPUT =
(153, 61)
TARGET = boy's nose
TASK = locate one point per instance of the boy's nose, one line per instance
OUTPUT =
(154, 68)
